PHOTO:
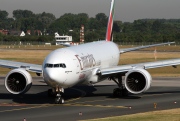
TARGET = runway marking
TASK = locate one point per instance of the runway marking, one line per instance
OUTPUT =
(155, 95)
(99, 106)
(50, 105)
(37, 105)
(12, 104)
(27, 108)
(83, 93)
(73, 99)
(95, 101)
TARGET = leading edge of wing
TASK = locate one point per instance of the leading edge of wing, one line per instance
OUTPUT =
(142, 47)
(27, 66)
(147, 65)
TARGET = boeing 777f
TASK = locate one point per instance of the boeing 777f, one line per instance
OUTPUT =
(85, 64)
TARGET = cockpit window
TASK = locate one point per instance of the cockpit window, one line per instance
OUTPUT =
(63, 65)
(56, 65)
(60, 65)
(49, 65)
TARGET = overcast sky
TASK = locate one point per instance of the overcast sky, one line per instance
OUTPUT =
(125, 10)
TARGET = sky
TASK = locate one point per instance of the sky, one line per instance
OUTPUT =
(125, 10)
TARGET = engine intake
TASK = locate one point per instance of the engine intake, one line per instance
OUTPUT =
(138, 81)
(18, 81)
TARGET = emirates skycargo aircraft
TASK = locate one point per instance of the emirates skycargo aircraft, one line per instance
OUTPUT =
(85, 64)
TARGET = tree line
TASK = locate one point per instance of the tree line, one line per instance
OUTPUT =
(142, 30)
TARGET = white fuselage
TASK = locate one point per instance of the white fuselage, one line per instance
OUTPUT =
(69, 66)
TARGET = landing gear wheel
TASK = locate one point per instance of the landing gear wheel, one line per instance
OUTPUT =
(117, 92)
(125, 93)
(59, 100)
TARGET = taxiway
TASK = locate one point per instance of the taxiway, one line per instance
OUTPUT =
(86, 102)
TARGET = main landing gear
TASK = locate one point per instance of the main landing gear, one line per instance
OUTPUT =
(58, 94)
(121, 91)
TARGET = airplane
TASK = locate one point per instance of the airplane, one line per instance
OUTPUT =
(87, 63)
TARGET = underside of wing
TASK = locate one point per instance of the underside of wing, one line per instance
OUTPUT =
(137, 78)
(27, 66)
(147, 65)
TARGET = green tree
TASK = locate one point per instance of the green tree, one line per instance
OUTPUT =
(156, 25)
(102, 19)
(81, 19)
(91, 36)
(1, 37)
(117, 26)
(3, 15)
(5, 22)
(44, 19)
(93, 24)
(18, 14)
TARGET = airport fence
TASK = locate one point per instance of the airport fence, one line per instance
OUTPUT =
(23, 43)
(53, 43)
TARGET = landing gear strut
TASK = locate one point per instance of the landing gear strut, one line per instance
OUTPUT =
(58, 94)
(121, 91)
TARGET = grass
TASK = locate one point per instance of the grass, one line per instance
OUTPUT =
(165, 115)
(172, 47)
(159, 48)
(30, 47)
(37, 54)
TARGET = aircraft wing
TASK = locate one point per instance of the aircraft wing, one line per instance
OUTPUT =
(142, 47)
(148, 65)
(13, 65)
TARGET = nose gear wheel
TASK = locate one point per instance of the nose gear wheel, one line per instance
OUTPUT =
(58, 94)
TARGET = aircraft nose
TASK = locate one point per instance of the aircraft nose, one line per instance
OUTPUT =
(53, 76)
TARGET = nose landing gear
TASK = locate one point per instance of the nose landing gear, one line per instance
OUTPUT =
(59, 99)
(58, 94)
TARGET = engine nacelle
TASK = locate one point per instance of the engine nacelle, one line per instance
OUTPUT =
(138, 81)
(18, 81)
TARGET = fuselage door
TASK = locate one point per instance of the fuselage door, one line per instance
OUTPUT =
(77, 65)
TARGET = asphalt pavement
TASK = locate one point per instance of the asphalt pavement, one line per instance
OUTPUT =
(86, 102)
